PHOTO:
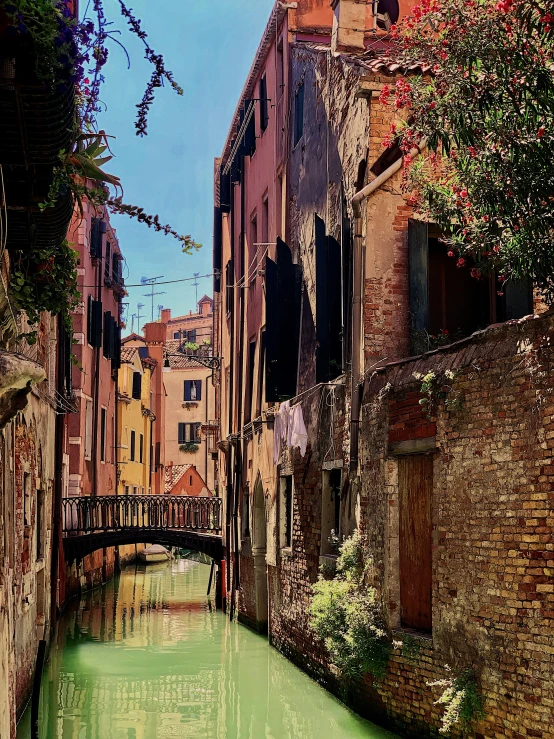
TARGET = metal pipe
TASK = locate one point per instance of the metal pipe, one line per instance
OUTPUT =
(357, 298)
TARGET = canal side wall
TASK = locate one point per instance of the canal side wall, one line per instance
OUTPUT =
(489, 431)
(96, 569)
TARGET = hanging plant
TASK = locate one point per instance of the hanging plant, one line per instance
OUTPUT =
(189, 447)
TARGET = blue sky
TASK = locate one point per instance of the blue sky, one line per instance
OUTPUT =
(209, 46)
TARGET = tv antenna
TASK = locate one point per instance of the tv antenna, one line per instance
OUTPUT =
(138, 315)
(196, 283)
(152, 282)
(160, 309)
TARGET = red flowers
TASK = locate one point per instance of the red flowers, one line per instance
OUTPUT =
(385, 95)
(461, 262)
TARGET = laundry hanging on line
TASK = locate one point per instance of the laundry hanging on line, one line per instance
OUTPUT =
(289, 430)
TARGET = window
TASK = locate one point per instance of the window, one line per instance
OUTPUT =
(188, 433)
(253, 237)
(193, 390)
(126, 490)
(191, 336)
(103, 421)
(263, 103)
(250, 388)
(299, 113)
(109, 336)
(88, 429)
(141, 448)
(132, 446)
(415, 486)
(330, 510)
(108, 264)
(137, 386)
(265, 221)
(246, 515)
(94, 322)
(229, 286)
(286, 511)
(96, 229)
(116, 269)
(40, 524)
(328, 267)
(176, 334)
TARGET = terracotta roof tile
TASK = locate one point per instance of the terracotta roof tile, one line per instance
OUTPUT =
(172, 475)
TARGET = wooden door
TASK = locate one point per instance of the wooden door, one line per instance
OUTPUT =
(415, 483)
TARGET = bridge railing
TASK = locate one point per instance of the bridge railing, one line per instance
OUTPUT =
(117, 512)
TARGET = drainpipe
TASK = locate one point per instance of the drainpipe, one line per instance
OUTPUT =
(357, 299)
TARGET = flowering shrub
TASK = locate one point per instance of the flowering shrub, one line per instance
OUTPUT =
(346, 615)
(485, 107)
(462, 700)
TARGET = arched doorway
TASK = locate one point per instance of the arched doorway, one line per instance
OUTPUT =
(259, 551)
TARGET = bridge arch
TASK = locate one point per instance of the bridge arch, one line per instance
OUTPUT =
(91, 523)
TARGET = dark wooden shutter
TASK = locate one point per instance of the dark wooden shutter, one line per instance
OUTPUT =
(263, 103)
(191, 336)
(116, 356)
(95, 239)
(141, 448)
(415, 483)
(519, 298)
(198, 389)
(321, 302)
(107, 348)
(181, 433)
(132, 450)
(137, 385)
(187, 390)
(271, 333)
(96, 324)
(108, 264)
(90, 320)
(196, 428)
(288, 306)
(418, 253)
(158, 455)
(248, 146)
(334, 299)
(225, 192)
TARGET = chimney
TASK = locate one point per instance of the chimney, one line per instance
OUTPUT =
(352, 18)
(166, 315)
(155, 332)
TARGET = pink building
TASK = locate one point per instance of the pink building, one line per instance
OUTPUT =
(91, 449)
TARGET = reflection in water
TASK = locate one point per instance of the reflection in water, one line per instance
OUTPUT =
(147, 657)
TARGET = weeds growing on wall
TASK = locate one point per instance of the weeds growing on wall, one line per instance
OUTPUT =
(462, 700)
(346, 615)
(437, 386)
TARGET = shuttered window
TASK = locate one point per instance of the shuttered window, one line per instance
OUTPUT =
(191, 336)
(132, 446)
(94, 322)
(137, 386)
(141, 448)
(96, 238)
(415, 484)
(188, 433)
(264, 118)
(329, 331)
(109, 336)
(108, 264)
(283, 294)
(103, 423)
(116, 353)
(229, 287)
(193, 390)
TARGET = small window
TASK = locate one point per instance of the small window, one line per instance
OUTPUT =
(132, 446)
(108, 264)
(264, 118)
(103, 421)
(88, 429)
(331, 511)
(286, 511)
(193, 390)
(299, 113)
(191, 336)
(137, 386)
(176, 334)
(126, 490)
(95, 239)
(141, 448)
(188, 433)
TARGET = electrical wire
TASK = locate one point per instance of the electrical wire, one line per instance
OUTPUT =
(167, 282)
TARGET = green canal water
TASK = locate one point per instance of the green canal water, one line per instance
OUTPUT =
(148, 657)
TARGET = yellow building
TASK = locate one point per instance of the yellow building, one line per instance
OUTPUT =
(134, 423)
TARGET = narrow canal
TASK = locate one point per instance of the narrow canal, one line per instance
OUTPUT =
(148, 657)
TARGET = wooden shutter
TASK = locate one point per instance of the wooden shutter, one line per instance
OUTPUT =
(137, 385)
(90, 320)
(225, 192)
(108, 342)
(187, 390)
(132, 450)
(415, 483)
(418, 253)
(196, 428)
(116, 356)
(334, 301)
(108, 264)
(322, 304)
(96, 324)
(198, 389)
(288, 306)
(271, 333)
(248, 146)
(95, 239)
(263, 103)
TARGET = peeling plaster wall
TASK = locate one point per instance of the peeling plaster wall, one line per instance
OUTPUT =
(26, 477)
